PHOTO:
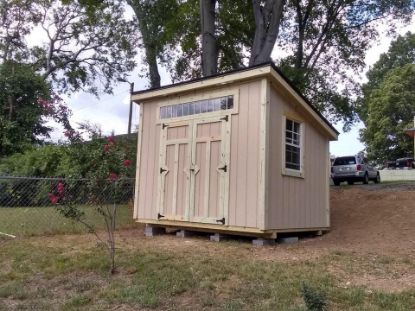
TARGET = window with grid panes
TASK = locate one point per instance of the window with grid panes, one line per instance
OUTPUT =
(196, 107)
(292, 145)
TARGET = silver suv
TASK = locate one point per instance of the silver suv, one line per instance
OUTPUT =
(351, 169)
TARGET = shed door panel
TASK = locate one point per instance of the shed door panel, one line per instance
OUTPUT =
(174, 171)
(194, 170)
(210, 174)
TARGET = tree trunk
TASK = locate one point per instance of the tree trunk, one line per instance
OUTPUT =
(267, 23)
(302, 20)
(151, 59)
(10, 97)
(150, 50)
(209, 44)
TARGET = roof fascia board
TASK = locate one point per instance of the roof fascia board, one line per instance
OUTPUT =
(216, 81)
(277, 77)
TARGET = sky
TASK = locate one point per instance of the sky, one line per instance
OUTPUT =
(110, 112)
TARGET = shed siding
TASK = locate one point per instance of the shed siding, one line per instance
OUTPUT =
(147, 197)
(244, 156)
(296, 203)
(243, 192)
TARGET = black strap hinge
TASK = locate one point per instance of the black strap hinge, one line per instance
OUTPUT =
(223, 168)
(163, 126)
(225, 118)
(221, 220)
(160, 216)
(162, 170)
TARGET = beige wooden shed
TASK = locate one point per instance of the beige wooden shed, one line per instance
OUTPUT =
(241, 153)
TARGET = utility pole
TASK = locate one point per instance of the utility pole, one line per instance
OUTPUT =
(130, 114)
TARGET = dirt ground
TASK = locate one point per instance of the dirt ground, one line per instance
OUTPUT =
(372, 218)
(364, 218)
(373, 223)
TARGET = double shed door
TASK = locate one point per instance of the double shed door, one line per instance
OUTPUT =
(194, 170)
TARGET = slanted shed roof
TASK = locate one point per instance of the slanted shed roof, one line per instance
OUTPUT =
(262, 70)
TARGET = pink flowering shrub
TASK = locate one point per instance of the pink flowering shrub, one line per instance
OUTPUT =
(106, 166)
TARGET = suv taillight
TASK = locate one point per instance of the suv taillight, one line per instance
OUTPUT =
(358, 167)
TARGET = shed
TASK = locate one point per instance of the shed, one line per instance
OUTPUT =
(241, 153)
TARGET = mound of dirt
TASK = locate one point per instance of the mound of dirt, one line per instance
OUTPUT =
(368, 219)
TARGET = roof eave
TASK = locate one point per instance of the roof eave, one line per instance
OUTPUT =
(263, 70)
(217, 80)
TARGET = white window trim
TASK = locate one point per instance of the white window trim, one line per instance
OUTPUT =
(206, 95)
(289, 171)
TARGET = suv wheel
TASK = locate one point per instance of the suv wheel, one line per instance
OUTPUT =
(336, 182)
(366, 179)
(377, 179)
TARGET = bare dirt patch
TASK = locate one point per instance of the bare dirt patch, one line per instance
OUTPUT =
(370, 218)
(365, 219)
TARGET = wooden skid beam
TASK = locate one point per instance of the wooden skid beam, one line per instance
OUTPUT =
(230, 230)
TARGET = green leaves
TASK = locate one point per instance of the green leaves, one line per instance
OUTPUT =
(82, 46)
(21, 120)
(390, 109)
(388, 103)
(326, 42)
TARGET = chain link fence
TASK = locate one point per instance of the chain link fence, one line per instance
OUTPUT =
(30, 206)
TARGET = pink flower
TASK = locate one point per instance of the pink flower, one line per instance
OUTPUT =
(60, 188)
(53, 198)
(111, 140)
(113, 177)
(106, 148)
(127, 163)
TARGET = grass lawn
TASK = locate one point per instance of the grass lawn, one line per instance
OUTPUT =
(29, 221)
(167, 273)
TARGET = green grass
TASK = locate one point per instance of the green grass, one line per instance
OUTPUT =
(49, 274)
(28, 221)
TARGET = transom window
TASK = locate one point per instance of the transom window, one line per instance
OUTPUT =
(292, 145)
(196, 107)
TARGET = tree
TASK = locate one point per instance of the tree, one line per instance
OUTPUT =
(107, 185)
(81, 47)
(25, 102)
(15, 23)
(390, 109)
(209, 41)
(326, 42)
(268, 16)
(400, 53)
(201, 37)
(84, 47)
(389, 82)
(153, 18)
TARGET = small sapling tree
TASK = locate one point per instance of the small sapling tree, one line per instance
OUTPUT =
(104, 186)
